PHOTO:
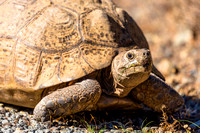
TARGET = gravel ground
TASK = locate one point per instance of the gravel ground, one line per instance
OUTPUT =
(19, 120)
(13, 121)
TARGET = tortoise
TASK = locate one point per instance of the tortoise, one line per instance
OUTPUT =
(62, 57)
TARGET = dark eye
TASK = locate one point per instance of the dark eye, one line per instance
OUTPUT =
(130, 56)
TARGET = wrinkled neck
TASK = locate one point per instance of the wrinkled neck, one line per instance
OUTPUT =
(110, 86)
(107, 81)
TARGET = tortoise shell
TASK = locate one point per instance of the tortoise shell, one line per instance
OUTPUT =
(48, 42)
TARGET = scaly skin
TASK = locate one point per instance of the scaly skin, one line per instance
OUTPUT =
(156, 94)
(75, 98)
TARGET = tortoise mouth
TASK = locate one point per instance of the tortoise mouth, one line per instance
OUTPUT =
(135, 69)
(139, 69)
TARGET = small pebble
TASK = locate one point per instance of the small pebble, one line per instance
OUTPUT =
(2, 110)
(4, 122)
(1, 104)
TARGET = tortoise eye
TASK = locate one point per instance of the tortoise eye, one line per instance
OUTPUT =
(130, 56)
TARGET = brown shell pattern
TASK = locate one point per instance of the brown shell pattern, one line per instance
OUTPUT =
(44, 43)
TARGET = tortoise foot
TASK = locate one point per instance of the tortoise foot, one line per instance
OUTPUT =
(72, 99)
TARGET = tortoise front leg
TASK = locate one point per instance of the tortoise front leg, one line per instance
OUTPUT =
(72, 99)
(156, 94)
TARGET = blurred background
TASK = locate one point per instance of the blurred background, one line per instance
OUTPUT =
(172, 29)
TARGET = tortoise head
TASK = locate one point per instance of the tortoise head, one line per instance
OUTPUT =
(129, 69)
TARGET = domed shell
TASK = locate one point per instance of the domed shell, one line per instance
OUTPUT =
(44, 43)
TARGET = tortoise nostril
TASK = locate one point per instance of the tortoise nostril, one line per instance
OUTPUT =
(146, 53)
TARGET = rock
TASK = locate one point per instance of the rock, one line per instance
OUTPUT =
(18, 130)
(2, 110)
(183, 36)
(4, 122)
(164, 66)
(1, 104)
